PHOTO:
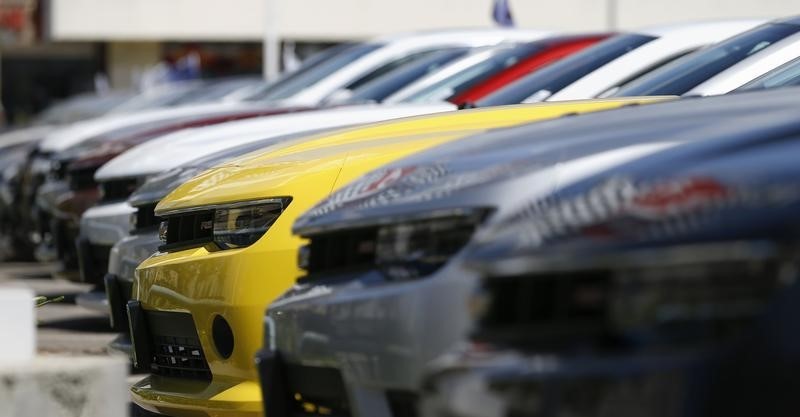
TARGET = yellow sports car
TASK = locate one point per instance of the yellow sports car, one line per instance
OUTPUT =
(196, 317)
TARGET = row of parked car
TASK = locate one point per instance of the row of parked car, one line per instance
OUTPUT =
(590, 234)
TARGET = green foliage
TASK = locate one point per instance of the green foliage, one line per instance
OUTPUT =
(42, 300)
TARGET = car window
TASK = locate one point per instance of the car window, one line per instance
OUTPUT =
(463, 80)
(682, 75)
(387, 84)
(784, 76)
(312, 72)
(611, 91)
(389, 67)
(554, 77)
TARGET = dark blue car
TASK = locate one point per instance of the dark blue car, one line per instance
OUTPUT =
(663, 287)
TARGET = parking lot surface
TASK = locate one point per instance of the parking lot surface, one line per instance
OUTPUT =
(64, 327)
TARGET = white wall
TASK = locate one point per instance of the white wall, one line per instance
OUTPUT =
(636, 13)
(143, 20)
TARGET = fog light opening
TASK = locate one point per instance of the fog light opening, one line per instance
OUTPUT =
(222, 334)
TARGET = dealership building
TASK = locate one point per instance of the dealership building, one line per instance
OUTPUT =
(116, 41)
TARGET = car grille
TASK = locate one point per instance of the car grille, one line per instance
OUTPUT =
(175, 346)
(94, 262)
(317, 391)
(341, 251)
(189, 229)
(403, 403)
(146, 218)
(117, 190)
(621, 309)
(82, 179)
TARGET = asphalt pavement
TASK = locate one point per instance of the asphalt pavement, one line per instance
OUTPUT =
(64, 327)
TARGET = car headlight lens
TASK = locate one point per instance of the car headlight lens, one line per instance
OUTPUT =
(416, 249)
(228, 226)
(238, 227)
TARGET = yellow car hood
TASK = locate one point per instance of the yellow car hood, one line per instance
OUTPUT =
(273, 168)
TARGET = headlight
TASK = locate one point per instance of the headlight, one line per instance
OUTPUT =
(228, 226)
(416, 249)
(243, 226)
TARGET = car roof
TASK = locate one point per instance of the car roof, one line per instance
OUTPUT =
(400, 46)
(672, 41)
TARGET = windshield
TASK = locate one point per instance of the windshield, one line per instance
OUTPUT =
(684, 74)
(554, 77)
(786, 75)
(382, 87)
(463, 80)
(216, 90)
(315, 70)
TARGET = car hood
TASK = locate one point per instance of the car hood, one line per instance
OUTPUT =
(502, 169)
(158, 186)
(243, 178)
(71, 135)
(24, 135)
(188, 144)
(738, 187)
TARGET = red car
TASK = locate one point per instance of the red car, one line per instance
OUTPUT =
(547, 52)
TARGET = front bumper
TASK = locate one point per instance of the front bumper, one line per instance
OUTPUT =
(174, 397)
(101, 227)
(234, 286)
(505, 383)
(379, 335)
(752, 373)
(107, 224)
(126, 255)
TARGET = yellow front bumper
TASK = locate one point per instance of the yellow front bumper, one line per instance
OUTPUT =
(236, 285)
(181, 398)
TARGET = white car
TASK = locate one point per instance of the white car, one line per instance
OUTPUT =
(669, 43)
(77, 133)
(752, 67)
(105, 224)
(357, 64)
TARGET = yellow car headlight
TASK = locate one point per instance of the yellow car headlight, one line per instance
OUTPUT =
(242, 226)
(229, 226)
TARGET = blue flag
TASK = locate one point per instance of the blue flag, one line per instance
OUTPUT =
(501, 13)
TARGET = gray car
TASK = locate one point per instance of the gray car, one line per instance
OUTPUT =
(386, 290)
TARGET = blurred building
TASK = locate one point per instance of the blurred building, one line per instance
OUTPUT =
(124, 38)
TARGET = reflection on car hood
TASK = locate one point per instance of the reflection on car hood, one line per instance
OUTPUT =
(504, 168)
(238, 179)
(735, 187)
